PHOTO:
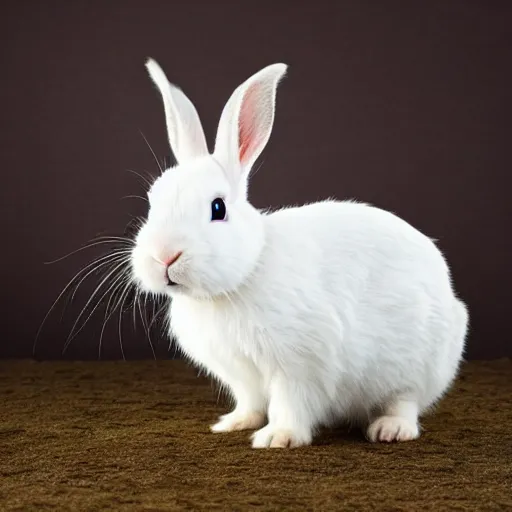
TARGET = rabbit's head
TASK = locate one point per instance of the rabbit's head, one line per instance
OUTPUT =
(202, 237)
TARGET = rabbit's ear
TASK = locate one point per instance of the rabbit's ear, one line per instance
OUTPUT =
(186, 135)
(247, 119)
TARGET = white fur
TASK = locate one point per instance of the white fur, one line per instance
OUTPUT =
(308, 315)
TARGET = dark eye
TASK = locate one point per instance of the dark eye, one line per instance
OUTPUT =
(218, 209)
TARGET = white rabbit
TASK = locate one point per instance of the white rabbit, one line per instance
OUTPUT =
(308, 315)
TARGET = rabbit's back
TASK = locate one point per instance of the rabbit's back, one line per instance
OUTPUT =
(386, 288)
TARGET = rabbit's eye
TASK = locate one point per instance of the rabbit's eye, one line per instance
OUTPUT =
(218, 209)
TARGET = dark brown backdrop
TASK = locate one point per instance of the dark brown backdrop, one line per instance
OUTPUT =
(402, 104)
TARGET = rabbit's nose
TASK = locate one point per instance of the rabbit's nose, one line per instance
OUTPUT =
(172, 259)
(168, 264)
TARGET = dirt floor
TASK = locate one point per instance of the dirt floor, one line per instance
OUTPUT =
(134, 436)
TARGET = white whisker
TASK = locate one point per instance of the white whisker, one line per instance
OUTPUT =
(134, 196)
(109, 259)
(123, 298)
(124, 262)
(65, 289)
(146, 181)
(89, 245)
(144, 323)
(104, 261)
(107, 318)
(137, 293)
(152, 152)
(121, 278)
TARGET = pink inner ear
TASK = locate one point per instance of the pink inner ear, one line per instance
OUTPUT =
(249, 133)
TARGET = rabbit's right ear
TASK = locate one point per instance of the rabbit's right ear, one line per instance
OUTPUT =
(186, 135)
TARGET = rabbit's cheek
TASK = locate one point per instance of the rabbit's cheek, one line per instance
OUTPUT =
(147, 272)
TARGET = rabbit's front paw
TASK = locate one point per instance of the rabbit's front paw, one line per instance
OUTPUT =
(239, 421)
(273, 437)
(392, 428)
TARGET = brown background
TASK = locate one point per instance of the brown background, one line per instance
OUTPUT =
(402, 104)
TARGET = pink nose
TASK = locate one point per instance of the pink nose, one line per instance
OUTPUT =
(172, 259)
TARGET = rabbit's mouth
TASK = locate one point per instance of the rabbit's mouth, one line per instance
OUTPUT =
(171, 283)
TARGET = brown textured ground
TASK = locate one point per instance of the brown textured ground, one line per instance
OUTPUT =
(134, 436)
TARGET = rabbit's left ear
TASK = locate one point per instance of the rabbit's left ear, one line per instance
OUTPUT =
(246, 121)
(186, 135)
